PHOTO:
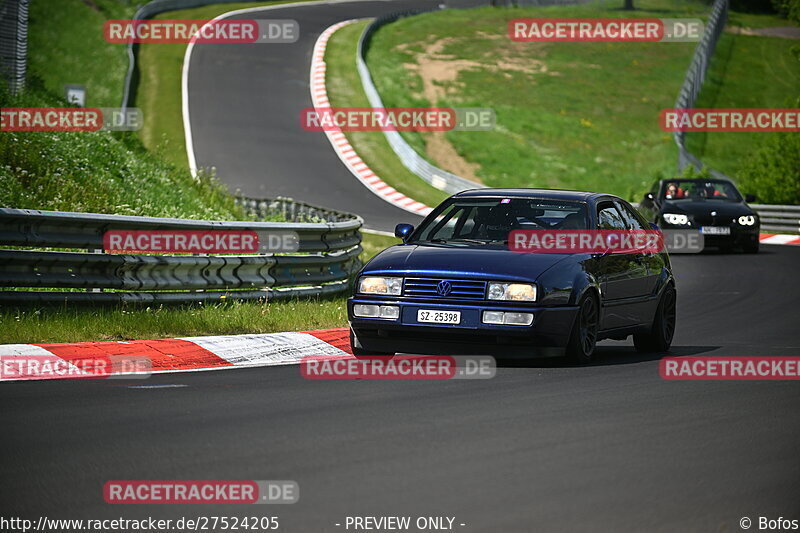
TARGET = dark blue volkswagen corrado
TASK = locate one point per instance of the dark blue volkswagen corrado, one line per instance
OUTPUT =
(454, 287)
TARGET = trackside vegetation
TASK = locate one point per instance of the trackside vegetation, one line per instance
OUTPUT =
(117, 173)
(586, 115)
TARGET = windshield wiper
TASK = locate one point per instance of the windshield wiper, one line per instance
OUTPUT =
(445, 241)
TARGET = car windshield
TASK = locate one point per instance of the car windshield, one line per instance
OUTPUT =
(696, 190)
(485, 220)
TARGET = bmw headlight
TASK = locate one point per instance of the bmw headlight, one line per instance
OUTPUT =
(380, 285)
(520, 292)
(675, 219)
(747, 220)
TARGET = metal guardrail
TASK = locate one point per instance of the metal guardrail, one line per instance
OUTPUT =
(778, 218)
(695, 76)
(14, 42)
(326, 259)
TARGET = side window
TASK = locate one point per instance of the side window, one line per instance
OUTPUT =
(608, 217)
(629, 216)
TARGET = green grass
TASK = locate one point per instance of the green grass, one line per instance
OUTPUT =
(96, 172)
(84, 325)
(99, 172)
(345, 90)
(113, 173)
(746, 72)
(584, 116)
(159, 90)
(78, 323)
(66, 45)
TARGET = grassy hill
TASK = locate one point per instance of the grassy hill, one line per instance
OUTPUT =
(573, 115)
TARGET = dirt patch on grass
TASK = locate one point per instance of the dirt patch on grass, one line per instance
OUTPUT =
(445, 156)
(784, 32)
(439, 72)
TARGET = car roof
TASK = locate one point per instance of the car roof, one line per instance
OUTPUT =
(555, 194)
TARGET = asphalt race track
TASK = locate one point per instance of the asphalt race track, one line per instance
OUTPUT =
(245, 102)
(541, 447)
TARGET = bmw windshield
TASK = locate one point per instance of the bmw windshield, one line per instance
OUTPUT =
(701, 190)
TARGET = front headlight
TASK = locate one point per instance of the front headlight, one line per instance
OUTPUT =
(520, 292)
(675, 219)
(747, 220)
(380, 285)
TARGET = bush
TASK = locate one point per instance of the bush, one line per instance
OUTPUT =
(788, 8)
(754, 6)
(772, 172)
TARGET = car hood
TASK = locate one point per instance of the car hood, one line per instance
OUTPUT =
(487, 262)
(704, 207)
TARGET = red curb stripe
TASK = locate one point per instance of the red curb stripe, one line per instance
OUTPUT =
(339, 338)
(164, 354)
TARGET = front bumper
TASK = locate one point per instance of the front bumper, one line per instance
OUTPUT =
(547, 335)
(738, 236)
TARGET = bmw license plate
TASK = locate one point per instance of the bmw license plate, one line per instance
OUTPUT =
(715, 230)
(438, 317)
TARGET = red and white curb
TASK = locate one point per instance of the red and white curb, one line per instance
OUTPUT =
(338, 140)
(772, 238)
(186, 354)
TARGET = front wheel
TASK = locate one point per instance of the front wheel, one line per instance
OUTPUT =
(659, 338)
(583, 337)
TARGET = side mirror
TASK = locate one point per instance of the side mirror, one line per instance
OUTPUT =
(648, 199)
(750, 198)
(403, 231)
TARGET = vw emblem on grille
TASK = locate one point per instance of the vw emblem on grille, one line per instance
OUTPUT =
(443, 288)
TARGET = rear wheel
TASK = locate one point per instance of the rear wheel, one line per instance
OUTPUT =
(659, 338)
(363, 353)
(583, 338)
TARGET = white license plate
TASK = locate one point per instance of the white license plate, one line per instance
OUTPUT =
(438, 317)
(715, 230)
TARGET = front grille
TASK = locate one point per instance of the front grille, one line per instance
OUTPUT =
(463, 289)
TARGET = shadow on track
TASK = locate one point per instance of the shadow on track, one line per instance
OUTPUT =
(604, 356)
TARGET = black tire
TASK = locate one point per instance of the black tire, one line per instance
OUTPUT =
(659, 337)
(583, 337)
(361, 352)
(751, 248)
